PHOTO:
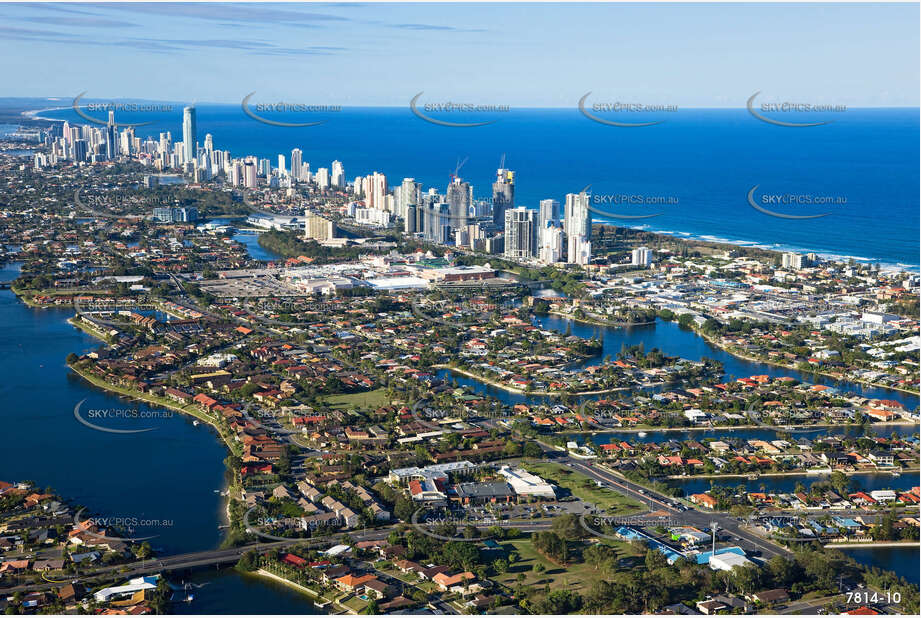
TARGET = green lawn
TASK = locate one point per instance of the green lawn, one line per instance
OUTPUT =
(584, 488)
(355, 604)
(366, 400)
(576, 576)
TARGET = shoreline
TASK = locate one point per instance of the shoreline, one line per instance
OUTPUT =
(704, 238)
(873, 545)
(518, 391)
(778, 428)
(154, 401)
(303, 589)
(804, 473)
(752, 359)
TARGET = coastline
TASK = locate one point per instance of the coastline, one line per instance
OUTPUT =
(710, 239)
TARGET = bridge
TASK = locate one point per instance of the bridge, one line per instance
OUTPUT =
(224, 557)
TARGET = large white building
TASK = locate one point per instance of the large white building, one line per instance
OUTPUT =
(337, 177)
(551, 242)
(526, 484)
(520, 233)
(641, 256)
(578, 227)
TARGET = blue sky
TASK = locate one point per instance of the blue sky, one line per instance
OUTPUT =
(522, 55)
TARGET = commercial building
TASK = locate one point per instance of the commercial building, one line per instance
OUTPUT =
(520, 233)
(641, 256)
(189, 135)
(578, 228)
(503, 195)
(318, 228)
(526, 484)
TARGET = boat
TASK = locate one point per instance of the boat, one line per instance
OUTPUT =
(195, 423)
(642, 434)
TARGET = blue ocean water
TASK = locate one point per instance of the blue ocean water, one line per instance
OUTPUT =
(705, 159)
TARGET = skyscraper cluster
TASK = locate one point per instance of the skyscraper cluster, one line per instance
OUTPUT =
(496, 224)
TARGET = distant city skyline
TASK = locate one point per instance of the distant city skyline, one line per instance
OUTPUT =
(523, 56)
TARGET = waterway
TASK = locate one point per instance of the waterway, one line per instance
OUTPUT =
(674, 340)
(167, 476)
(230, 592)
(171, 475)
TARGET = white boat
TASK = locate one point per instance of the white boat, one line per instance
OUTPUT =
(195, 423)
(642, 434)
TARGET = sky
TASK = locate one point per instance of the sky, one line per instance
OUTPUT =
(521, 55)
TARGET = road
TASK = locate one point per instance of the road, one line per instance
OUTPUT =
(657, 501)
(217, 557)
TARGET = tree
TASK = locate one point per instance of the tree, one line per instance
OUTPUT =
(532, 449)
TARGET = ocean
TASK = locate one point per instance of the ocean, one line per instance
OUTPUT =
(694, 171)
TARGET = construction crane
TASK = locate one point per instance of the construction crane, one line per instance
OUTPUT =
(460, 164)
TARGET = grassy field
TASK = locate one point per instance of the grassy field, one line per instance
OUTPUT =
(585, 489)
(577, 576)
(367, 400)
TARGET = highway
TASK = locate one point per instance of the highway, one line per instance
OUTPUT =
(657, 501)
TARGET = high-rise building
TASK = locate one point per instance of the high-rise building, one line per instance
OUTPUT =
(503, 195)
(549, 211)
(189, 134)
(793, 260)
(112, 148)
(296, 160)
(236, 174)
(209, 143)
(322, 178)
(249, 174)
(409, 219)
(641, 256)
(337, 177)
(458, 198)
(318, 228)
(373, 190)
(578, 228)
(409, 196)
(520, 232)
(282, 170)
(550, 240)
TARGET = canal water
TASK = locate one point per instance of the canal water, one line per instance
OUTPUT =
(166, 478)
(169, 476)
(229, 592)
(674, 340)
